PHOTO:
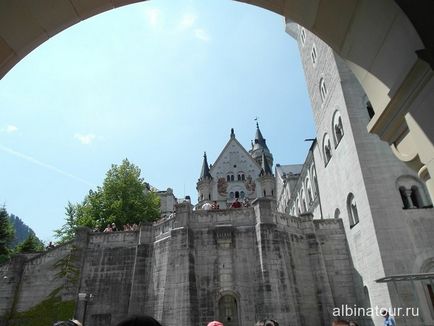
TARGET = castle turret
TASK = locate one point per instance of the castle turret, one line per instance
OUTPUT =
(266, 178)
(204, 183)
(259, 147)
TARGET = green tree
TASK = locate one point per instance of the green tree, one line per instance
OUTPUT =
(6, 234)
(67, 231)
(123, 198)
(31, 245)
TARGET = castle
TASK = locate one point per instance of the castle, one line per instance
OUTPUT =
(351, 226)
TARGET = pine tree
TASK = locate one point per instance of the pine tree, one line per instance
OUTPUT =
(31, 245)
(6, 234)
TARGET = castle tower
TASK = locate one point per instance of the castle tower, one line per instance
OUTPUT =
(266, 178)
(355, 176)
(204, 183)
(259, 147)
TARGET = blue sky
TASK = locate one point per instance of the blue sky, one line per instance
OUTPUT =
(156, 82)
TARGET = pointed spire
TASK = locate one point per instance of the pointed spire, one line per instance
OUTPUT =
(259, 139)
(204, 174)
(265, 167)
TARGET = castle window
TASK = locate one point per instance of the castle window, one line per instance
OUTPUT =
(309, 191)
(415, 197)
(243, 177)
(231, 195)
(405, 201)
(338, 129)
(337, 213)
(315, 182)
(303, 36)
(228, 178)
(353, 214)
(412, 192)
(242, 194)
(237, 194)
(322, 89)
(232, 177)
(327, 149)
(313, 54)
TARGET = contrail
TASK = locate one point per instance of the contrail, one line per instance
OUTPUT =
(45, 165)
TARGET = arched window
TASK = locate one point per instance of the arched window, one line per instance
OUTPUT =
(228, 310)
(337, 127)
(315, 181)
(228, 178)
(353, 214)
(303, 202)
(323, 89)
(242, 194)
(313, 54)
(327, 149)
(231, 195)
(415, 197)
(297, 207)
(308, 191)
(413, 192)
(405, 200)
(237, 194)
(337, 213)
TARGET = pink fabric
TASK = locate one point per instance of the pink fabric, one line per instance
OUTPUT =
(215, 323)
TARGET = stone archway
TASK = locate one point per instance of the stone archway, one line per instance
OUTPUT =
(387, 44)
(228, 310)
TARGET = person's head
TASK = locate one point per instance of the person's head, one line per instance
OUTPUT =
(267, 322)
(215, 323)
(141, 320)
(340, 322)
(384, 313)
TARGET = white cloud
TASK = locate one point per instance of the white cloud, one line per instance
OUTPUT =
(187, 21)
(85, 139)
(152, 16)
(201, 34)
(10, 129)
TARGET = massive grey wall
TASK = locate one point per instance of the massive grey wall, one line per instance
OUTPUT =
(236, 265)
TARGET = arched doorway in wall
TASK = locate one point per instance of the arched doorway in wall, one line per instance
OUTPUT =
(228, 310)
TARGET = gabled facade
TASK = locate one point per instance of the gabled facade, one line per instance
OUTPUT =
(237, 174)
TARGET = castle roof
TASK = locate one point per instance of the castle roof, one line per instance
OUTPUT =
(289, 169)
(259, 142)
(265, 168)
(204, 173)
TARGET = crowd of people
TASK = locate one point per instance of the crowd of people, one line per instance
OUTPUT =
(235, 204)
(144, 320)
(113, 228)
